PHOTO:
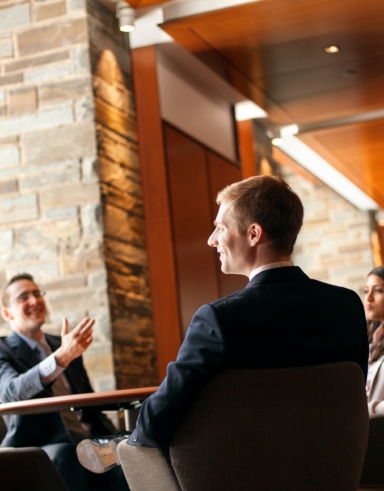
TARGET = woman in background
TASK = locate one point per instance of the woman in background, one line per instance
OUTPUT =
(374, 308)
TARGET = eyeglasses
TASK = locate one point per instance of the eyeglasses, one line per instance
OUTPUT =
(24, 297)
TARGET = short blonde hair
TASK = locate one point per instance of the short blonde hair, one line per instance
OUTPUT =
(270, 202)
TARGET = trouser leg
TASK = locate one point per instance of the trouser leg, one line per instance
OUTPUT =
(112, 480)
(64, 458)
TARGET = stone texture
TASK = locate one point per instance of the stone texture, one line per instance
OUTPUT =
(56, 213)
(47, 73)
(91, 219)
(85, 109)
(126, 253)
(58, 231)
(42, 12)
(111, 118)
(116, 223)
(39, 271)
(62, 91)
(76, 5)
(22, 100)
(90, 169)
(18, 15)
(2, 95)
(120, 177)
(117, 149)
(61, 143)
(36, 61)
(78, 193)
(11, 79)
(80, 60)
(31, 169)
(56, 35)
(6, 240)
(49, 179)
(8, 186)
(83, 257)
(18, 208)
(68, 282)
(9, 156)
(27, 256)
(6, 49)
(33, 122)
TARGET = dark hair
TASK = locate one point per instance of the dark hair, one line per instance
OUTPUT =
(4, 290)
(270, 202)
(375, 349)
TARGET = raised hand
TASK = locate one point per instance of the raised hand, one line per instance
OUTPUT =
(74, 343)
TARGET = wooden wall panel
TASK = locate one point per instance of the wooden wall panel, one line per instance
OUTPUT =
(159, 244)
(221, 174)
(246, 140)
(191, 217)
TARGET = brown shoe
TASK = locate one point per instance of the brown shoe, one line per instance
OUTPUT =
(96, 455)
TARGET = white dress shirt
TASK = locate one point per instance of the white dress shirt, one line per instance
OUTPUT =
(281, 264)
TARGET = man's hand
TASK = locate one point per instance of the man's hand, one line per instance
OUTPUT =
(74, 343)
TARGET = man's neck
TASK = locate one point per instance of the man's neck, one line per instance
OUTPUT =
(268, 258)
(34, 334)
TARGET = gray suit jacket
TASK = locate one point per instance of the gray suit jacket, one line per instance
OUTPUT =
(20, 381)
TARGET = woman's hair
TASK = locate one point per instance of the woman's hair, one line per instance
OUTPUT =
(375, 349)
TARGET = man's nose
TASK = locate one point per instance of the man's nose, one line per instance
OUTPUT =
(212, 240)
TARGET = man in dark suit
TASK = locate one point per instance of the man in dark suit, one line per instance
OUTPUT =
(281, 319)
(35, 365)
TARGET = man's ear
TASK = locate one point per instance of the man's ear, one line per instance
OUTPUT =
(255, 234)
(6, 314)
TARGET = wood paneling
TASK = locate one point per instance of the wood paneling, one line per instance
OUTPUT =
(221, 174)
(192, 224)
(356, 150)
(158, 227)
(138, 4)
(246, 141)
(272, 51)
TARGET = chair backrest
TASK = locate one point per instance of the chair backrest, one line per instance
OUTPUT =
(289, 429)
(3, 429)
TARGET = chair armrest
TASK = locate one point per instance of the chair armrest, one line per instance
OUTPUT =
(373, 471)
(28, 468)
(146, 468)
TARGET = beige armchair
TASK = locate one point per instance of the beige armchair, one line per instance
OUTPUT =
(295, 429)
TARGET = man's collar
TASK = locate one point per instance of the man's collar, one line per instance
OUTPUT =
(32, 343)
(265, 267)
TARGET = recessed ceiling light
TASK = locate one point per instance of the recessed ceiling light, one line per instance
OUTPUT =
(332, 49)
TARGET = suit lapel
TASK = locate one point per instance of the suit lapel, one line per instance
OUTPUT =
(21, 351)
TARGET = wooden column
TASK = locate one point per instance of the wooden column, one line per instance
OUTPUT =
(247, 148)
(159, 242)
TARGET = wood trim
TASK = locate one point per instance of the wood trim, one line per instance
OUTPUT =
(158, 227)
(247, 148)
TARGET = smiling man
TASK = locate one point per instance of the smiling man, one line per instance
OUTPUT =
(35, 365)
(281, 319)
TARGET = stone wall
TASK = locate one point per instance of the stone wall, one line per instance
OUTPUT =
(124, 240)
(51, 209)
(334, 244)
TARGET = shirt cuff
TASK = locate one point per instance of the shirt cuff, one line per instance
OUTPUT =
(49, 370)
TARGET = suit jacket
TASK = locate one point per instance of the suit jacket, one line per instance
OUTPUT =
(281, 319)
(376, 393)
(20, 381)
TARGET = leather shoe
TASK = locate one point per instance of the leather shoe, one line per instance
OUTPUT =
(100, 454)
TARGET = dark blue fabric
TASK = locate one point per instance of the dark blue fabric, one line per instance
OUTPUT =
(281, 319)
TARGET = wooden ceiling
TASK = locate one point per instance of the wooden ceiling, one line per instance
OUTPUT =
(272, 52)
(138, 4)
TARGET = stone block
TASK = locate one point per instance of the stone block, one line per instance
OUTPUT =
(62, 91)
(47, 73)
(18, 208)
(102, 328)
(55, 35)
(80, 299)
(85, 109)
(122, 200)
(79, 193)
(118, 97)
(11, 17)
(116, 223)
(9, 156)
(76, 5)
(29, 169)
(6, 49)
(80, 60)
(87, 256)
(2, 95)
(137, 232)
(36, 61)
(120, 177)
(98, 361)
(42, 12)
(91, 219)
(97, 279)
(116, 121)
(56, 213)
(90, 169)
(67, 142)
(6, 240)
(125, 252)
(65, 283)
(27, 256)
(59, 230)
(22, 100)
(37, 121)
(8, 186)
(17, 78)
(39, 271)
(117, 149)
(127, 283)
(49, 179)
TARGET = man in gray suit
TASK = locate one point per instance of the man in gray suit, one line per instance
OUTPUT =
(35, 365)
